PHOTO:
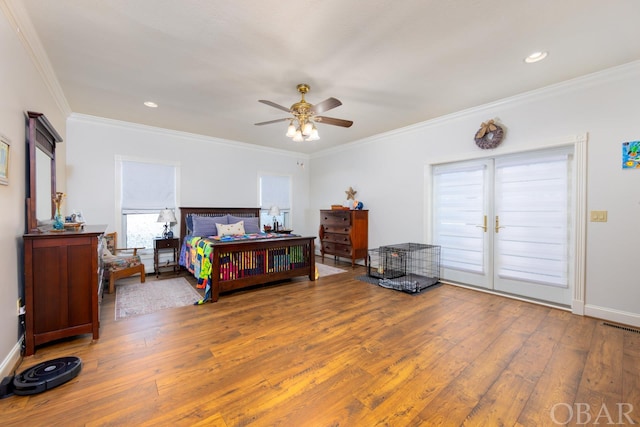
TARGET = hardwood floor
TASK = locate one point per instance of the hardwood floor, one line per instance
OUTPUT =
(339, 351)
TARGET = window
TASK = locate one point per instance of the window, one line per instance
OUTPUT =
(147, 188)
(275, 190)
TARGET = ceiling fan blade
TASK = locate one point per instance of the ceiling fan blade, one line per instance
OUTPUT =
(326, 105)
(271, 121)
(332, 121)
(273, 104)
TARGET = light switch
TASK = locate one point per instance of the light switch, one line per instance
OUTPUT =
(598, 216)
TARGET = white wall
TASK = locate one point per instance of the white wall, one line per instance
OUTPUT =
(22, 89)
(213, 172)
(388, 173)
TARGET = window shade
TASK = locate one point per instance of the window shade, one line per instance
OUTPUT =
(274, 191)
(147, 187)
(532, 201)
(458, 209)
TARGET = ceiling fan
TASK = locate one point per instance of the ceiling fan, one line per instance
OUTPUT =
(302, 124)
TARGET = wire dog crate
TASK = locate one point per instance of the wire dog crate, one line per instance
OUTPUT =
(408, 267)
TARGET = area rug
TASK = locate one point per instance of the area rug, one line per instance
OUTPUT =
(135, 299)
(327, 270)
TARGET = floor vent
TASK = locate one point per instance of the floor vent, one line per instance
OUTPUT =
(624, 328)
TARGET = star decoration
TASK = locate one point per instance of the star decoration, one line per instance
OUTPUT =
(351, 194)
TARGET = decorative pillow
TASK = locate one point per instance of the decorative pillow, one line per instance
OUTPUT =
(206, 225)
(251, 224)
(230, 229)
(189, 221)
(107, 256)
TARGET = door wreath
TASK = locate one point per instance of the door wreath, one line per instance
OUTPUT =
(489, 135)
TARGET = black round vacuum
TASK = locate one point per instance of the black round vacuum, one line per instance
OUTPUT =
(46, 375)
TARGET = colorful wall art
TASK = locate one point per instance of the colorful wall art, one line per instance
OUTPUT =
(631, 155)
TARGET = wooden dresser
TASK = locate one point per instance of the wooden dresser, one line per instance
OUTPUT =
(344, 233)
(63, 284)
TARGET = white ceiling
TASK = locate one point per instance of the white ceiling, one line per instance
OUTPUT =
(391, 63)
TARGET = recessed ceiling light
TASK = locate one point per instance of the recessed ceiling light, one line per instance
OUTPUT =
(535, 57)
(151, 104)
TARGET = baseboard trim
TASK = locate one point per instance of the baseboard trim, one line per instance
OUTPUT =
(10, 363)
(617, 316)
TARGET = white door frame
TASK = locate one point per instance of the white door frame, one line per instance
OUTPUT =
(579, 178)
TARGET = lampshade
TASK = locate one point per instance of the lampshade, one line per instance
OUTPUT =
(167, 215)
(313, 136)
(274, 211)
(305, 131)
(291, 130)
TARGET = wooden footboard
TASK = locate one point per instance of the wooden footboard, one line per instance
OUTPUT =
(237, 265)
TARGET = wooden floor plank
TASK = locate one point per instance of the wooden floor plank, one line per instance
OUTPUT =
(337, 351)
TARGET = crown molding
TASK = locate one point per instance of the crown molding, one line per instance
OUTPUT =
(630, 69)
(85, 118)
(19, 20)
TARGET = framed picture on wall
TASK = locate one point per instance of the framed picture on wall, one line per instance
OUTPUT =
(5, 145)
(631, 155)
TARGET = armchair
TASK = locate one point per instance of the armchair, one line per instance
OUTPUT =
(119, 266)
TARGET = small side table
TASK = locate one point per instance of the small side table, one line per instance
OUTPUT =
(161, 244)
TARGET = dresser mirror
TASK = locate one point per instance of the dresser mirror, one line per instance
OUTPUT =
(41, 140)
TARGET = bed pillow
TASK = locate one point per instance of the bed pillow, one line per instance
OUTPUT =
(230, 229)
(206, 225)
(251, 224)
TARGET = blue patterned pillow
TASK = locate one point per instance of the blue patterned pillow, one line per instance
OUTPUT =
(206, 225)
(251, 224)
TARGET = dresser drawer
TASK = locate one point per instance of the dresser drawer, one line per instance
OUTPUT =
(336, 249)
(337, 238)
(337, 218)
(340, 229)
(165, 243)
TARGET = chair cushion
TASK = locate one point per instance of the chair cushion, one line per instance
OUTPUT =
(114, 263)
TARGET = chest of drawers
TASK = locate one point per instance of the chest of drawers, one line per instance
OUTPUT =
(63, 277)
(344, 233)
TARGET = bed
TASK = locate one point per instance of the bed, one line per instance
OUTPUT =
(222, 264)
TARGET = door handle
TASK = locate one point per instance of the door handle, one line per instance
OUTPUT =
(484, 227)
(498, 227)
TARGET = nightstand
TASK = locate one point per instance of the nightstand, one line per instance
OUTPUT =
(162, 244)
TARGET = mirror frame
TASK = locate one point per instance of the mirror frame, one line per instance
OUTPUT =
(40, 134)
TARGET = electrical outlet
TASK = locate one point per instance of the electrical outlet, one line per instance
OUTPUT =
(598, 216)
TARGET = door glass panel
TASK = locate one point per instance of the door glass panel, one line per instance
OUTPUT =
(532, 210)
(458, 212)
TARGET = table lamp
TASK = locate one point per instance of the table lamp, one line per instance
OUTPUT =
(168, 217)
(274, 211)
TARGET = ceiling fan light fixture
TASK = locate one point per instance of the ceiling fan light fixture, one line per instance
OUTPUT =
(307, 128)
(291, 130)
(313, 136)
(302, 125)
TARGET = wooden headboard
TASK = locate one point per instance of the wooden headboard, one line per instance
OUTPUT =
(184, 212)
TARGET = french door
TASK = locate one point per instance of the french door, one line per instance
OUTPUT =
(504, 223)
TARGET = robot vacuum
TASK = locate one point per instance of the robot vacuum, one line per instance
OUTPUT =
(46, 375)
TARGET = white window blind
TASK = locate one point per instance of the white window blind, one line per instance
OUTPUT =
(532, 195)
(274, 191)
(458, 209)
(147, 187)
